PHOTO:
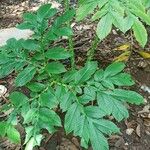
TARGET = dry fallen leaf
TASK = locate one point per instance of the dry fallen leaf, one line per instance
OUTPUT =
(144, 54)
(138, 130)
(120, 143)
(123, 47)
(147, 122)
(123, 57)
(146, 109)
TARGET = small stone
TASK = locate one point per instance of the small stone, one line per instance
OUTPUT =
(129, 131)
(3, 90)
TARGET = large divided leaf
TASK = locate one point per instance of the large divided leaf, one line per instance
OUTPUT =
(124, 15)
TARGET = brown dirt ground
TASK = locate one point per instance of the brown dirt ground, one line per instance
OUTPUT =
(139, 121)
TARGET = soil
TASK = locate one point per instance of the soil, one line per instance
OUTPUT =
(135, 131)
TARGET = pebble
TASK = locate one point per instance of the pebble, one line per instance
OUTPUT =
(3, 90)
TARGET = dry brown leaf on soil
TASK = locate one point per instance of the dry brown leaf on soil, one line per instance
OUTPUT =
(147, 122)
(138, 130)
(146, 109)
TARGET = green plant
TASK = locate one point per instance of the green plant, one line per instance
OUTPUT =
(123, 14)
(87, 95)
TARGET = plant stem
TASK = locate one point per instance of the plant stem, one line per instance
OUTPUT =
(66, 3)
(91, 51)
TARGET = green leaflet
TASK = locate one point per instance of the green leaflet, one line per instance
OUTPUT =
(30, 45)
(30, 115)
(97, 139)
(13, 134)
(105, 126)
(35, 86)
(8, 130)
(127, 95)
(26, 25)
(64, 31)
(89, 95)
(55, 68)
(4, 59)
(57, 53)
(66, 101)
(85, 73)
(69, 76)
(140, 32)
(30, 17)
(94, 112)
(86, 9)
(3, 128)
(7, 68)
(114, 69)
(49, 117)
(99, 75)
(67, 16)
(45, 11)
(122, 79)
(48, 99)
(110, 105)
(72, 118)
(96, 130)
(18, 99)
(25, 76)
(104, 26)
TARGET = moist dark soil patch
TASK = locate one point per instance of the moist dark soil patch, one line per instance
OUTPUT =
(137, 66)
